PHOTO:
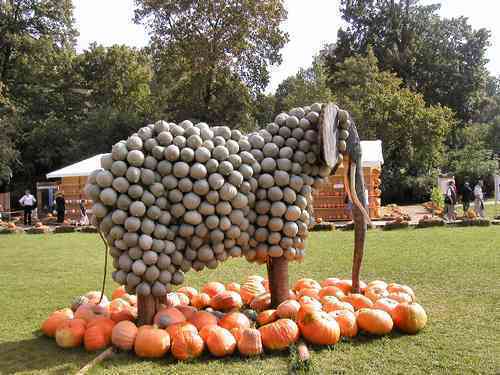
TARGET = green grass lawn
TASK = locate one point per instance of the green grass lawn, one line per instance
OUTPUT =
(455, 273)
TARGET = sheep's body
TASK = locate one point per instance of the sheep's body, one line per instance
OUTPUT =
(192, 196)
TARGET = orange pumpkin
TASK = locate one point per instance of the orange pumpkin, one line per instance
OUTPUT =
(201, 301)
(280, 334)
(96, 338)
(50, 325)
(318, 327)
(331, 290)
(288, 309)
(234, 320)
(251, 289)
(168, 316)
(306, 283)
(175, 329)
(346, 285)
(221, 342)
(375, 292)
(131, 299)
(123, 335)
(306, 300)
(358, 301)
(212, 288)
(330, 281)
(394, 287)
(69, 334)
(105, 323)
(120, 310)
(118, 292)
(400, 297)
(266, 317)
(207, 329)
(310, 292)
(187, 345)
(87, 312)
(236, 332)
(235, 287)
(188, 291)
(250, 342)
(201, 319)
(346, 321)
(374, 321)
(409, 317)
(379, 283)
(226, 300)
(261, 302)
(386, 304)
(151, 342)
(187, 311)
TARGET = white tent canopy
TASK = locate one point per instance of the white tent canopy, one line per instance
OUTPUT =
(82, 168)
(372, 154)
(372, 157)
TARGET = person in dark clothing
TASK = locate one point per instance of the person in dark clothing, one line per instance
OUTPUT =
(467, 196)
(60, 207)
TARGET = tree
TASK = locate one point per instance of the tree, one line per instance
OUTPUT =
(472, 158)
(307, 86)
(443, 59)
(212, 51)
(23, 22)
(412, 133)
(8, 152)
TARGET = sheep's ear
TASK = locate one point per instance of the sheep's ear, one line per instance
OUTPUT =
(329, 134)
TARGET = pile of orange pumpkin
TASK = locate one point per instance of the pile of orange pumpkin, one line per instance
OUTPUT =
(225, 319)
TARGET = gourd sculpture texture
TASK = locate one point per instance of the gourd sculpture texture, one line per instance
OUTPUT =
(175, 197)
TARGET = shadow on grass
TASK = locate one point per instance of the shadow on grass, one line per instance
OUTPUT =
(40, 353)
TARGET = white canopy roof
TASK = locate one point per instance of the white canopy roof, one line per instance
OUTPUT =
(372, 157)
(372, 154)
(82, 168)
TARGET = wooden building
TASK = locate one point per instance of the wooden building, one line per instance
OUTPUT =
(72, 181)
(330, 202)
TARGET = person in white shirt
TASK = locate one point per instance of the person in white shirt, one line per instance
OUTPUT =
(28, 202)
(479, 199)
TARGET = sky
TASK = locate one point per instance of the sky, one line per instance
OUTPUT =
(310, 25)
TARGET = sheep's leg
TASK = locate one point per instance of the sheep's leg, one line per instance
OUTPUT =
(277, 273)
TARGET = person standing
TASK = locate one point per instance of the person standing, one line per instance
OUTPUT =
(28, 202)
(466, 197)
(84, 219)
(450, 200)
(479, 199)
(60, 207)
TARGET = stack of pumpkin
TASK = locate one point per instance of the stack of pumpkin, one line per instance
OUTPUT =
(226, 318)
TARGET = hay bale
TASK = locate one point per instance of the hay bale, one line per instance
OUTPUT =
(395, 225)
(87, 229)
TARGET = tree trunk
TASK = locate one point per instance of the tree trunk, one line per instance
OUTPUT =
(277, 273)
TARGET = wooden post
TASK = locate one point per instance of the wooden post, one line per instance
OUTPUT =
(277, 272)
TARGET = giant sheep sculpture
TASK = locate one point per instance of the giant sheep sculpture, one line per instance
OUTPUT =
(175, 197)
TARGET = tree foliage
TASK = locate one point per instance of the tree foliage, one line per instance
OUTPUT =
(307, 86)
(443, 59)
(211, 56)
(412, 132)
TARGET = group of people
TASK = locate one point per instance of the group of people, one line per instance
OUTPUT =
(468, 195)
(28, 202)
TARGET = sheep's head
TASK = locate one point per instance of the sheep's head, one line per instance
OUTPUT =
(175, 197)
